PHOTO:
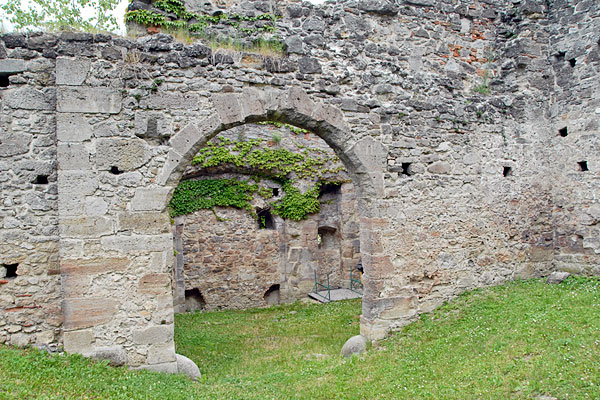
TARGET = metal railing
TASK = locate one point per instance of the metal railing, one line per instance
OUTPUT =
(354, 281)
(319, 284)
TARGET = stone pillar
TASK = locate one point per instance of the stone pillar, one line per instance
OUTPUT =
(116, 246)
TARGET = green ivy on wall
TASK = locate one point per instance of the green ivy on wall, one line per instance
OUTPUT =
(277, 164)
(193, 22)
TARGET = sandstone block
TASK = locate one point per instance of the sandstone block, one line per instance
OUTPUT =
(151, 199)
(93, 266)
(144, 222)
(169, 368)
(125, 154)
(155, 284)
(71, 71)
(371, 155)
(251, 103)
(228, 107)
(72, 128)
(138, 243)
(88, 100)
(87, 312)
(154, 335)
(78, 341)
(161, 353)
(79, 227)
(77, 183)
(115, 355)
(172, 169)
(73, 156)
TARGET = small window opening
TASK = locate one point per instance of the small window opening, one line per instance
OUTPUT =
(507, 171)
(265, 219)
(572, 62)
(115, 170)
(4, 81)
(560, 56)
(11, 270)
(406, 170)
(41, 180)
(194, 300)
(563, 132)
(329, 188)
(272, 296)
(326, 238)
(275, 192)
(583, 166)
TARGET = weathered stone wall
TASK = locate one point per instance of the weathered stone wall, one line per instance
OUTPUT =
(29, 281)
(428, 104)
(233, 262)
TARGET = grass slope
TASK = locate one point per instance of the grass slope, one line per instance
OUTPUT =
(522, 340)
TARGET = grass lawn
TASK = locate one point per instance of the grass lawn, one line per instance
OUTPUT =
(523, 340)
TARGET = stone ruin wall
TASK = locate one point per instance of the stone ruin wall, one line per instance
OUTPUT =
(391, 87)
(233, 263)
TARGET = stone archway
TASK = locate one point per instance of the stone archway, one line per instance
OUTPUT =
(118, 299)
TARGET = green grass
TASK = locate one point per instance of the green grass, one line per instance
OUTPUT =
(518, 341)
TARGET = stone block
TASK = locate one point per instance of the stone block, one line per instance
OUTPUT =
(557, 277)
(173, 168)
(93, 266)
(78, 341)
(115, 355)
(138, 243)
(161, 353)
(187, 138)
(77, 183)
(154, 335)
(355, 345)
(11, 66)
(228, 107)
(95, 206)
(155, 284)
(14, 143)
(29, 98)
(150, 199)
(169, 368)
(152, 125)
(73, 156)
(440, 168)
(71, 71)
(84, 226)
(371, 155)
(187, 367)
(88, 100)
(125, 154)
(88, 312)
(72, 128)
(75, 285)
(144, 222)
(174, 101)
(250, 101)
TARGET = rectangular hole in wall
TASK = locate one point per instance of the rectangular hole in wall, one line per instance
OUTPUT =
(10, 270)
(41, 180)
(583, 166)
(507, 171)
(560, 56)
(406, 170)
(4, 81)
(572, 62)
(563, 132)
(275, 192)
